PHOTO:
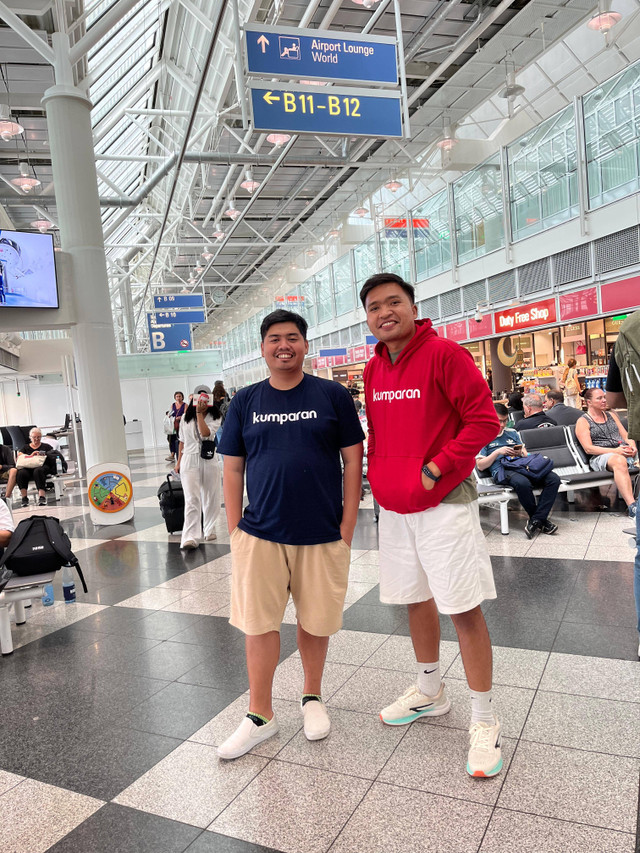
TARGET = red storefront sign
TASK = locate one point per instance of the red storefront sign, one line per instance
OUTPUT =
(482, 329)
(620, 294)
(582, 303)
(371, 348)
(359, 353)
(525, 316)
(457, 331)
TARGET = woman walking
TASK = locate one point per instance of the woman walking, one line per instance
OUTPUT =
(570, 385)
(200, 477)
(177, 410)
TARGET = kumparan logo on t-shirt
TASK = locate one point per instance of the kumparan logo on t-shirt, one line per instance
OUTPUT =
(284, 417)
(390, 396)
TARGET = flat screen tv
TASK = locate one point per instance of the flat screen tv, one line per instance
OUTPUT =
(27, 271)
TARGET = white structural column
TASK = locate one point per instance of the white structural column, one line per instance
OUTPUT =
(76, 185)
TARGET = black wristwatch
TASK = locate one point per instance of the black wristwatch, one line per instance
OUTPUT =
(428, 473)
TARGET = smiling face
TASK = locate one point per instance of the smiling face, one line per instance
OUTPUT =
(284, 349)
(391, 315)
(36, 437)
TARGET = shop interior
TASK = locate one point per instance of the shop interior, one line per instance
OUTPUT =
(543, 355)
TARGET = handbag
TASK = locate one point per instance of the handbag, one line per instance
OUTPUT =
(535, 467)
(207, 446)
(168, 425)
(32, 461)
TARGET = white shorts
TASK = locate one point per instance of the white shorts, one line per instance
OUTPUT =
(599, 463)
(438, 553)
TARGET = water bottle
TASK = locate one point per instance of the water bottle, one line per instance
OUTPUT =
(47, 595)
(68, 585)
(58, 465)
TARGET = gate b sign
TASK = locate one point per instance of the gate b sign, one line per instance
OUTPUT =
(167, 337)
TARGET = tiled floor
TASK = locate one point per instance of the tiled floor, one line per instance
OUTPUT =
(112, 707)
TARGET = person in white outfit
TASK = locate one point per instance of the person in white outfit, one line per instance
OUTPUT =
(200, 477)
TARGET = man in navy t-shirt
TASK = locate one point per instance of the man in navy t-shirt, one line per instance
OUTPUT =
(288, 435)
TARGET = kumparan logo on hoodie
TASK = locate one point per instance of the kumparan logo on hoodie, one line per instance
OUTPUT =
(283, 417)
(391, 396)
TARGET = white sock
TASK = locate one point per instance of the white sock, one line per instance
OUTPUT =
(429, 678)
(481, 710)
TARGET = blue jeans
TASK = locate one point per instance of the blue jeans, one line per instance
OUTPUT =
(636, 573)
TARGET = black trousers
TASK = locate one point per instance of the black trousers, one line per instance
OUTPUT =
(38, 475)
(524, 487)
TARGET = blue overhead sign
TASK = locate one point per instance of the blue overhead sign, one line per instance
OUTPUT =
(345, 112)
(179, 317)
(188, 300)
(165, 337)
(324, 55)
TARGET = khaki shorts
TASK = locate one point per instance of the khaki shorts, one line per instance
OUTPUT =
(264, 573)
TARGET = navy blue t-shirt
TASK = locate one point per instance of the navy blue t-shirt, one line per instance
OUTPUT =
(291, 441)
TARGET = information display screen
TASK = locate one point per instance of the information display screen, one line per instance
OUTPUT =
(27, 271)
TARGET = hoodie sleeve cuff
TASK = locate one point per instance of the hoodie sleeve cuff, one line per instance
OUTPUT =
(443, 462)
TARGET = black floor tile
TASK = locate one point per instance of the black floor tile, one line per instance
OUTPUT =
(103, 765)
(602, 641)
(118, 829)
(179, 710)
(167, 660)
(517, 632)
(110, 593)
(213, 842)
(163, 625)
(225, 672)
(210, 631)
(112, 621)
(378, 620)
(602, 596)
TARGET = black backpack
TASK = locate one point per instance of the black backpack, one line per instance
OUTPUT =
(38, 545)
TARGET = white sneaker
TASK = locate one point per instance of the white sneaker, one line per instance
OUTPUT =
(210, 537)
(245, 737)
(189, 545)
(485, 756)
(414, 704)
(316, 720)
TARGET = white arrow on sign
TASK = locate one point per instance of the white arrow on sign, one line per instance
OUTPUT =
(263, 41)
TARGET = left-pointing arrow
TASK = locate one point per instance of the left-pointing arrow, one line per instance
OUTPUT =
(269, 97)
(263, 41)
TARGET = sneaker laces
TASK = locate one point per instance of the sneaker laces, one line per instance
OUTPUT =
(407, 696)
(482, 736)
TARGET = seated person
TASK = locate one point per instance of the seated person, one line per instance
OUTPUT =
(8, 469)
(534, 415)
(605, 440)
(38, 475)
(6, 526)
(563, 415)
(50, 438)
(508, 443)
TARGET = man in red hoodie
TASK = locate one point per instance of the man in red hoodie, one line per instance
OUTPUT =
(429, 412)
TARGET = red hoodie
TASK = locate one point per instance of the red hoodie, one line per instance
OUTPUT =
(432, 405)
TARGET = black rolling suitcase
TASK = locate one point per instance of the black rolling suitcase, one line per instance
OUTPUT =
(171, 499)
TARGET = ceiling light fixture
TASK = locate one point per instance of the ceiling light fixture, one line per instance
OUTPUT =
(368, 4)
(392, 185)
(511, 90)
(333, 232)
(604, 21)
(361, 212)
(311, 253)
(448, 140)
(25, 181)
(218, 232)
(208, 255)
(232, 211)
(249, 184)
(8, 127)
(42, 225)
(278, 139)
(199, 269)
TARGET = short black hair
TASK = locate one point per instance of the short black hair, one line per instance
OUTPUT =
(501, 410)
(282, 316)
(515, 400)
(386, 278)
(558, 396)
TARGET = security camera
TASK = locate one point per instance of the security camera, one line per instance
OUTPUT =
(477, 316)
